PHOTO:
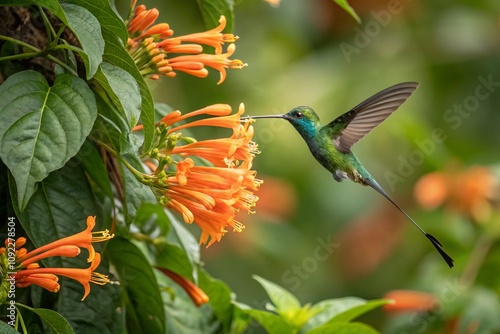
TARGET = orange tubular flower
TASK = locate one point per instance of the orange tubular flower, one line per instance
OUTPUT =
(218, 62)
(150, 46)
(83, 239)
(408, 300)
(198, 296)
(28, 272)
(209, 196)
(214, 38)
(83, 276)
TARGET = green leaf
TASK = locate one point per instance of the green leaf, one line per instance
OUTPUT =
(358, 310)
(52, 6)
(481, 309)
(94, 166)
(331, 308)
(54, 320)
(123, 91)
(115, 36)
(109, 20)
(174, 258)
(152, 217)
(42, 127)
(271, 322)
(220, 299)
(285, 302)
(345, 6)
(144, 310)
(344, 328)
(7, 329)
(116, 54)
(87, 30)
(181, 237)
(211, 10)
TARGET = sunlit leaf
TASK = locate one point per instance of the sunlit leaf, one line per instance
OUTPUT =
(344, 328)
(284, 301)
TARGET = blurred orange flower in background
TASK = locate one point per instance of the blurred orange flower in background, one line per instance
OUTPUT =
(470, 192)
(410, 300)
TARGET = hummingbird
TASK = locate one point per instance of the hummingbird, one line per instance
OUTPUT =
(331, 144)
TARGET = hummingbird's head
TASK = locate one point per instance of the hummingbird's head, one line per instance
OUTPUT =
(304, 120)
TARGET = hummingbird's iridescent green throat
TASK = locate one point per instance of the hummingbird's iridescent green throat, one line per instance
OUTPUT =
(331, 144)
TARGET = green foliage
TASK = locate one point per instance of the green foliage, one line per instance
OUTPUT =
(70, 97)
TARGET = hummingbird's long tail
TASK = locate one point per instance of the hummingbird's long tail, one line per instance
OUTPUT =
(439, 247)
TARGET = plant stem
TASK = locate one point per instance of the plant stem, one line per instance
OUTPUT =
(476, 259)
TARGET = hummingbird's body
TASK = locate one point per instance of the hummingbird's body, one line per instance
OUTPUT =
(331, 144)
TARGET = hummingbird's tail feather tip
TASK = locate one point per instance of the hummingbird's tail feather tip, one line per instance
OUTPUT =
(439, 247)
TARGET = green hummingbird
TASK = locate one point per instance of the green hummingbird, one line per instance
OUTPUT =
(331, 144)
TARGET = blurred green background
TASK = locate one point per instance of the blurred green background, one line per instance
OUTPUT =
(312, 53)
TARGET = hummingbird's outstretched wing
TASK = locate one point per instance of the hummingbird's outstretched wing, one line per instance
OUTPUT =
(352, 126)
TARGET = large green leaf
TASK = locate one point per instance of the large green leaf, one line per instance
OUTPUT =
(52, 319)
(344, 328)
(144, 309)
(115, 36)
(87, 30)
(110, 22)
(59, 208)
(123, 91)
(211, 10)
(285, 302)
(42, 127)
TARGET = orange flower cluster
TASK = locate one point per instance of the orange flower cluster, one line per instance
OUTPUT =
(27, 271)
(470, 192)
(208, 195)
(151, 46)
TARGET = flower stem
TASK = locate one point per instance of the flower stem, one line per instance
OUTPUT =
(476, 259)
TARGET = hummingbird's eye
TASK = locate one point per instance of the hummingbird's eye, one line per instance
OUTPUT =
(299, 115)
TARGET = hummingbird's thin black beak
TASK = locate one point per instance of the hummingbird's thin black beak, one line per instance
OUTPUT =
(262, 116)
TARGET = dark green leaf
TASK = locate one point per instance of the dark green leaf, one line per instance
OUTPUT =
(284, 301)
(123, 91)
(174, 258)
(94, 166)
(151, 217)
(42, 127)
(345, 6)
(87, 30)
(54, 320)
(140, 287)
(344, 328)
(211, 10)
(5, 328)
(136, 193)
